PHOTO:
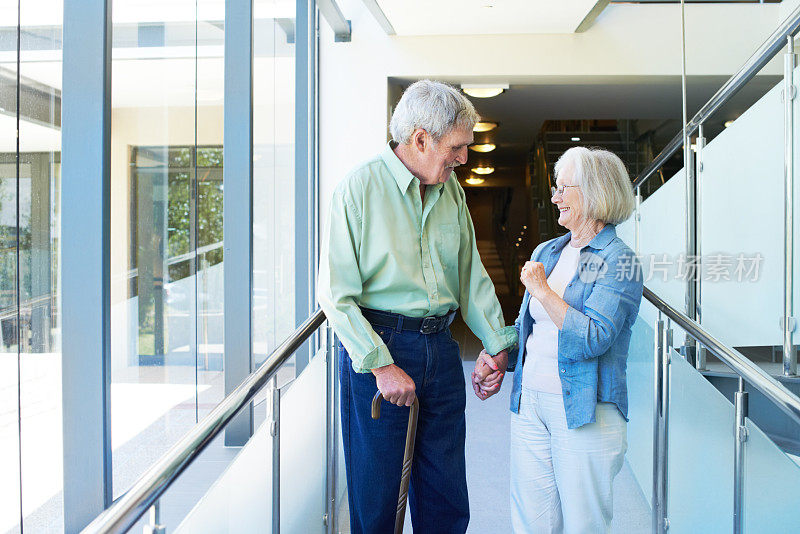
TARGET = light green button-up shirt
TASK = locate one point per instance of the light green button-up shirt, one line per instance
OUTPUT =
(383, 249)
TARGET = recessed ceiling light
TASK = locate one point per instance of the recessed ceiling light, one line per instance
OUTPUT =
(483, 170)
(576, 138)
(728, 123)
(484, 147)
(474, 180)
(483, 90)
(484, 126)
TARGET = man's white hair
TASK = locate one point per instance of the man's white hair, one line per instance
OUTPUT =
(605, 186)
(435, 107)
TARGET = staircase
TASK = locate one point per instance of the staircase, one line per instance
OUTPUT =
(491, 261)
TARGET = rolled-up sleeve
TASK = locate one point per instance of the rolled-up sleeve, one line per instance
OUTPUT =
(612, 300)
(340, 285)
(477, 298)
(513, 351)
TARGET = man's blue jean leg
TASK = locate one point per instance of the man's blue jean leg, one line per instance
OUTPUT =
(374, 449)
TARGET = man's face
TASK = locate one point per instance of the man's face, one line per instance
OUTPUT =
(437, 160)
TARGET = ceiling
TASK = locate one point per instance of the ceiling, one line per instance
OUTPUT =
(523, 108)
(471, 17)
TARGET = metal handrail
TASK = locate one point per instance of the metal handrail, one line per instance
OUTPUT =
(124, 513)
(755, 63)
(750, 372)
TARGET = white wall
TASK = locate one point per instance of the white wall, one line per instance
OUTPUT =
(627, 39)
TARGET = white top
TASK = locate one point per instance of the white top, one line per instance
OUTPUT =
(540, 371)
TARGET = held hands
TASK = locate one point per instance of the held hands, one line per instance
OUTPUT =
(395, 385)
(488, 374)
(534, 278)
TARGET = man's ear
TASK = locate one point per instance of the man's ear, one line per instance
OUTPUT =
(420, 139)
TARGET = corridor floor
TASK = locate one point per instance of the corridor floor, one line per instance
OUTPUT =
(487, 452)
(488, 471)
(488, 425)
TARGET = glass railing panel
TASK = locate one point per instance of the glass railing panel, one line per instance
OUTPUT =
(795, 202)
(178, 501)
(771, 481)
(740, 214)
(640, 400)
(627, 232)
(663, 239)
(240, 499)
(700, 457)
(303, 450)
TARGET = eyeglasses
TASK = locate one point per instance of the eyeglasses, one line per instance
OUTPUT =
(560, 190)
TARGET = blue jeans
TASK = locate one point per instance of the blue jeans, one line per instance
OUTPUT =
(374, 448)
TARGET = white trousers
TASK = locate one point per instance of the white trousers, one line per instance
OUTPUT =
(561, 479)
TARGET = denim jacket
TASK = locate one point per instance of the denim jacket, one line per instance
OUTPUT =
(603, 299)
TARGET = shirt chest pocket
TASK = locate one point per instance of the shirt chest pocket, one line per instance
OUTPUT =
(448, 241)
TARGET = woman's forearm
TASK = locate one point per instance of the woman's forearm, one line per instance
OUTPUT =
(554, 305)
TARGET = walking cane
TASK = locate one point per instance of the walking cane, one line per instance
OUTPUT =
(408, 456)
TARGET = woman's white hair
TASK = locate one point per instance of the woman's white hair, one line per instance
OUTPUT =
(604, 183)
(435, 107)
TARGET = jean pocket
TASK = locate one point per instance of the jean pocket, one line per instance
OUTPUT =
(385, 333)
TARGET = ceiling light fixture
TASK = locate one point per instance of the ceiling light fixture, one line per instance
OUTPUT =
(484, 126)
(576, 138)
(483, 170)
(728, 123)
(483, 90)
(474, 180)
(484, 147)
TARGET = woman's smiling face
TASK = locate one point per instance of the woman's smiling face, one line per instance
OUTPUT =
(568, 199)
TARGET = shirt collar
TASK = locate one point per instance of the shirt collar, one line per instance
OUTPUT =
(399, 172)
(598, 242)
(606, 236)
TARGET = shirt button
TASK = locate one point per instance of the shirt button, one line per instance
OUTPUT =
(567, 393)
(563, 370)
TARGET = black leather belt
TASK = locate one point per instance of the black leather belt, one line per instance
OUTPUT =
(423, 325)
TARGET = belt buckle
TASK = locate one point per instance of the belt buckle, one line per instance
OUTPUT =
(430, 325)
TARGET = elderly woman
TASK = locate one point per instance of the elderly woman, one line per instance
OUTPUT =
(569, 398)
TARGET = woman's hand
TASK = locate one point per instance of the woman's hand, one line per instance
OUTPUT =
(534, 279)
(488, 374)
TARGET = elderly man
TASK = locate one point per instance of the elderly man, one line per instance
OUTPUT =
(398, 259)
